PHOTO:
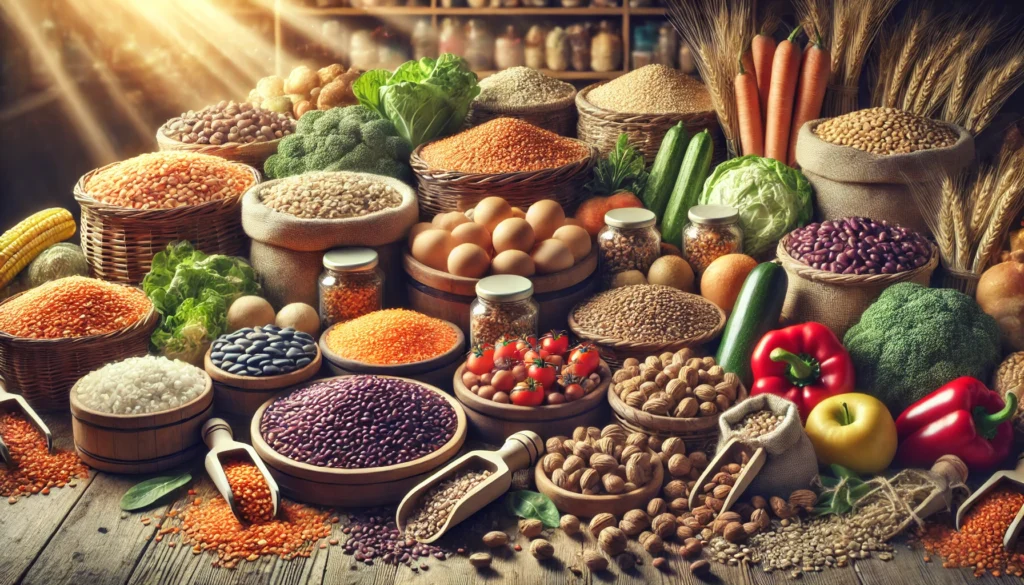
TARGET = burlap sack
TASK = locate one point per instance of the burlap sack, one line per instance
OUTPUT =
(791, 463)
(287, 251)
(850, 182)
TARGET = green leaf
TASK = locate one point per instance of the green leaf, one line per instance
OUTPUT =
(528, 504)
(151, 490)
(828, 481)
(367, 89)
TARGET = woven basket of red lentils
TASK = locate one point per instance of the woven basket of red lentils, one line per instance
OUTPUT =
(52, 335)
(507, 158)
(132, 209)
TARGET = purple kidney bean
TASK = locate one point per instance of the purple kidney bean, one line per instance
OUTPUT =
(858, 245)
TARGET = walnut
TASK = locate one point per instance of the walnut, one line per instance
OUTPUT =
(635, 400)
(649, 388)
(590, 479)
(703, 514)
(708, 409)
(654, 443)
(615, 432)
(727, 390)
(652, 543)
(691, 549)
(693, 524)
(672, 370)
(554, 445)
(620, 471)
(682, 356)
(780, 508)
(553, 461)
(567, 445)
(613, 484)
(495, 539)
(579, 434)
(629, 487)
(687, 408)
(569, 524)
(600, 522)
(634, 522)
(657, 405)
(722, 403)
(679, 505)
(676, 390)
(561, 479)
(683, 532)
(689, 376)
(624, 389)
(705, 392)
(662, 380)
(751, 528)
(605, 445)
(530, 528)
(643, 458)
(803, 500)
(718, 526)
(675, 489)
(583, 451)
(542, 549)
(699, 460)
(628, 451)
(572, 463)
(734, 532)
(630, 362)
(656, 506)
(760, 517)
(620, 376)
(679, 465)
(721, 491)
(729, 516)
(664, 525)
(603, 463)
(731, 378)
(595, 561)
(573, 481)
(612, 540)
(673, 446)
(617, 453)
(654, 362)
(637, 471)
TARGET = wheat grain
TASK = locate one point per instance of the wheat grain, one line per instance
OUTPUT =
(1004, 74)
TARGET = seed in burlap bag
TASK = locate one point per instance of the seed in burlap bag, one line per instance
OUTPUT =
(791, 463)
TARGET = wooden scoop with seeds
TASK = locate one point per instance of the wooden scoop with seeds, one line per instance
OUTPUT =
(219, 438)
(16, 403)
(734, 451)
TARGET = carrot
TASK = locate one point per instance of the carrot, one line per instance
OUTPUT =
(751, 129)
(810, 94)
(762, 51)
(779, 113)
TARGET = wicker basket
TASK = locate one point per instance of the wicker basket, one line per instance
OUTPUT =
(44, 370)
(838, 300)
(443, 191)
(253, 154)
(120, 242)
(959, 280)
(602, 127)
(558, 117)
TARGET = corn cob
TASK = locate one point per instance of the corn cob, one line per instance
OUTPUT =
(22, 243)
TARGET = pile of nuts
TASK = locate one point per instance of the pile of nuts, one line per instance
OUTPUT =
(329, 195)
(886, 131)
(677, 385)
(228, 123)
(647, 313)
(600, 461)
(858, 245)
(757, 423)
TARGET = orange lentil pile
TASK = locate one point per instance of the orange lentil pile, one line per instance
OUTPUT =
(503, 145)
(979, 543)
(252, 494)
(392, 336)
(36, 470)
(164, 180)
(74, 306)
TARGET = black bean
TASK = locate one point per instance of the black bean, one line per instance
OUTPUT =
(271, 370)
(271, 350)
(243, 342)
(303, 362)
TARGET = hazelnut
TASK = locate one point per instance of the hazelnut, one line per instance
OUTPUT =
(683, 532)
(721, 491)
(600, 522)
(630, 363)
(579, 434)
(679, 506)
(751, 528)
(603, 463)
(626, 561)
(691, 549)
(759, 502)
(780, 508)
(590, 479)
(530, 528)
(675, 489)
(760, 517)
(628, 451)
(613, 484)
(664, 525)
(679, 465)
(652, 543)
(569, 524)
(572, 463)
(614, 432)
(594, 560)
(554, 445)
(708, 409)
(495, 539)
(700, 568)
(542, 549)
(803, 500)
(722, 402)
(638, 440)
(734, 532)
(656, 506)
(620, 376)
(552, 461)
(687, 408)
(612, 540)
(480, 560)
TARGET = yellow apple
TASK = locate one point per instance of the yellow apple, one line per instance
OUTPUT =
(854, 430)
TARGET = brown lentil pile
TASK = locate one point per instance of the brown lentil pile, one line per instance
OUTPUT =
(228, 122)
(676, 384)
(504, 145)
(329, 196)
(373, 535)
(392, 336)
(652, 89)
(35, 470)
(165, 180)
(757, 423)
(647, 313)
(251, 492)
(518, 87)
(437, 504)
(74, 306)
(979, 543)
(886, 131)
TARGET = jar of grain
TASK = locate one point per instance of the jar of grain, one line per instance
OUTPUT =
(556, 50)
(533, 53)
(451, 38)
(628, 241)
(508, 49)
(504, 306)
(666, 51)
(479, 46)
(713, 231)
(606, 48)
(579, 43)
(350, 286)
(424, 40)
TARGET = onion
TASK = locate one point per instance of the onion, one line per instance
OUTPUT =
(1001, 295)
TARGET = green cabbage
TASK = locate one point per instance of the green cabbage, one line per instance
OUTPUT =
(772, 198)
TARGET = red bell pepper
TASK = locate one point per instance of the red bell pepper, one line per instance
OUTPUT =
(804, 364)
(962, 418)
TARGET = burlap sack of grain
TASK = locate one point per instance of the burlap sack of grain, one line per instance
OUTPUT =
(850, 182)
(287, 251)
(791, 463)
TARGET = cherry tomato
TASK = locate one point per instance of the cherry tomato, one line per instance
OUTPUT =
(574, 392)
(532, 340)
(528, 393)
(507, 349)
(555, 342)
(543, 372)
(586, 359)
(481, 359)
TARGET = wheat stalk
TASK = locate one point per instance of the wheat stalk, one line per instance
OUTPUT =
(868, 22)
(982, 199)
(1010, 187)
(949, 75)
(954, 42)
(908, 40)
(1004, 74)
(945, 236)
(842, 15)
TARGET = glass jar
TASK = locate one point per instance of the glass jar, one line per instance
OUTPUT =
(533, 53)
(424, 40)
(451, 38)
(579, 42)
(643, 46)
(606, 48)
(508, 49)
(556, 50)
(350, 286)
(479, 46)
(628, 241)
(503, 306)
(713, 231)
(666, 50)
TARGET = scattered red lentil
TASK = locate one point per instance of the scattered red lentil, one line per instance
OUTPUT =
(36, 470)
(251, 491)
(979, 543)
(74, 306)
(392, 336)
(503, 145)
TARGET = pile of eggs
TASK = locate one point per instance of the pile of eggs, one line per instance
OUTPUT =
(496, 238)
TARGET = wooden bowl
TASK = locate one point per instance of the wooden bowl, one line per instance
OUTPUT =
(436, 371)
(375, 486)
(141, 443)
(243, 395)
(589, 506)
(492, 421)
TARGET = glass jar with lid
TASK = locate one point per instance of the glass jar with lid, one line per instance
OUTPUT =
(350, 286)
(713, 231)
(503, 306)
(628, 241)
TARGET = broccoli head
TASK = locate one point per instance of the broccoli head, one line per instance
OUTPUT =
(913, 339)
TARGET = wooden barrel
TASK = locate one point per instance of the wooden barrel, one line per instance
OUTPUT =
(142, 443)
(243, 395)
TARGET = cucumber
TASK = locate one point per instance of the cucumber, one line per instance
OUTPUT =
(757, 311)
(665, 169)
(692, 174)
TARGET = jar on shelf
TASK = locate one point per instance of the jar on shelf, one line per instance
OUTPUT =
(628, 241)
(508, 49)
(572, 3)
(666, 50)
(451, 39)
(556, 50)
(503, 306)
(479, 46)
(478, 3)
(643, 46)
(424, 40)
(713, 231)
(686, 62)
(350, 286)
(606, 48)
(579, 43)
(363, 50)
(533, 52)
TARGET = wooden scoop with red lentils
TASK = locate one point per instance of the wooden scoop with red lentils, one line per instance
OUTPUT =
(239, 475)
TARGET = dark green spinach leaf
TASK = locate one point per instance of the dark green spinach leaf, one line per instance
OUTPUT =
(528, 504)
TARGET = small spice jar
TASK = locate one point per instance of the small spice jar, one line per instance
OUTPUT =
(628, 241)
(504, 306)
(350, 286)
(713, 231)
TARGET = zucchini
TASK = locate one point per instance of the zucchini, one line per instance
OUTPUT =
(692, 174)
(665, 169)
(757, 311)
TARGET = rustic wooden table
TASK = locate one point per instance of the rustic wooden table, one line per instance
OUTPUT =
(76, 536)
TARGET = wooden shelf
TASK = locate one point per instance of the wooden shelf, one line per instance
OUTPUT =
(656, 11)
(569, 75)
(439, 11)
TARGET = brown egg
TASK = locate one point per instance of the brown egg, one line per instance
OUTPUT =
(449, 221)
(417, 230)
(473, 233)
(468, 260)
(432, 248)
(545, 216)
(513, 262)
(576, 238)
(491, 211)
(552, 256)
(518, 212)
(513, 234)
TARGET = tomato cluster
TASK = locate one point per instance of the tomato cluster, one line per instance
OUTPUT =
(532, 371)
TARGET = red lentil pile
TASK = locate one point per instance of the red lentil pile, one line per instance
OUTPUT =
(504, 145)
(165, 180)
(251, 491)
(36, 470)
(392, 336)
(979, 543)
(74, 306)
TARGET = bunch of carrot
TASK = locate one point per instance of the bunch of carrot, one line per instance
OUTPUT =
(779, 87)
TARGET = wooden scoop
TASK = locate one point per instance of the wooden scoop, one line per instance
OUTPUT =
(16, 403)
(731, 454)
(223, 447)
(1009, 478)
(520, 451)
